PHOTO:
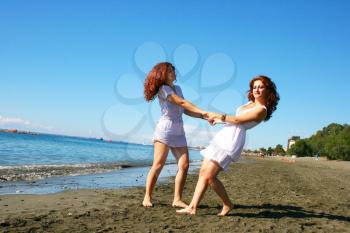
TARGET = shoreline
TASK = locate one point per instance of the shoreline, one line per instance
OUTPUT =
(134, 176)
(270, 195)
(45, 179)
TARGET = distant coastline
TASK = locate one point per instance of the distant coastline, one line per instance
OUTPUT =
(16, 131)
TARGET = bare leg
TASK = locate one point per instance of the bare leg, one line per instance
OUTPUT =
(208, 170)
(160, 154)
(220, 190)
(181, 155)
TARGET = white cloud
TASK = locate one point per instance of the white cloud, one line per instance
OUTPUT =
(9, 121)
(22, 124)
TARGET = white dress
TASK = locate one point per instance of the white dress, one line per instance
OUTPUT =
(228, 143)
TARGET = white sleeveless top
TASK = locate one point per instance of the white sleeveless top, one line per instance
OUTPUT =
(227, 145)
(240, 111)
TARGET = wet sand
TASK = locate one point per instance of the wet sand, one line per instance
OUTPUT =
(270, 195)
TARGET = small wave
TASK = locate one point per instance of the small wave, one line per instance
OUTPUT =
(35, 172)
(42, 171)
(52, 166)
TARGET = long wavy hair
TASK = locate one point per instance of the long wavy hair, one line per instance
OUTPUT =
(155, 79)
(272, 95)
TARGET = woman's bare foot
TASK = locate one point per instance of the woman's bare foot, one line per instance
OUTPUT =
(147, 202)
(179, 204)
(225, 210)
(187, 210)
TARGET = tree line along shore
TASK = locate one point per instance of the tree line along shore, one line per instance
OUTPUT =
(332, 142)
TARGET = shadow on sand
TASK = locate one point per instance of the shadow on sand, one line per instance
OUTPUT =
(282, 211)
(271, 211)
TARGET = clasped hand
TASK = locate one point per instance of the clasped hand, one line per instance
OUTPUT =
(211, 117)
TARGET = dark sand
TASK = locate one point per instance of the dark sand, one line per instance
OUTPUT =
(270, 195)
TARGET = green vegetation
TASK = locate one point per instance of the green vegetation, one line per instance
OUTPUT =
(332, 141)
(279, 150)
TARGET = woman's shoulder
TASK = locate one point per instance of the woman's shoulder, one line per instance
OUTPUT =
(245, 106)
(171, 90)
(164, 91)
(165, 88)
(251, 106)
(177, 87)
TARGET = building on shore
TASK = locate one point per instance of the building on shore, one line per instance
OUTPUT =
(292, 140)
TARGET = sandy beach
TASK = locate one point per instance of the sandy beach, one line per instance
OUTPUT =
(270, 195)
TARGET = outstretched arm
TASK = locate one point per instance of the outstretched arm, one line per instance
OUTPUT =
(257, 115)
(190, 109)
(196, 115)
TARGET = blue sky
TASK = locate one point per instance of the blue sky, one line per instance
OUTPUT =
(77, 67)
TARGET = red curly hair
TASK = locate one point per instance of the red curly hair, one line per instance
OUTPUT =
(155, 79)
(272, 94)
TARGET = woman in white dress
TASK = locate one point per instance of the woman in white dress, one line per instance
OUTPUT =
(228, 143)
(169, 132)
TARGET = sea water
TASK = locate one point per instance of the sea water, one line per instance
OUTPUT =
(42, 163)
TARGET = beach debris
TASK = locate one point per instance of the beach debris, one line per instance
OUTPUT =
(18, 222)
(69, 214)
(4, 223)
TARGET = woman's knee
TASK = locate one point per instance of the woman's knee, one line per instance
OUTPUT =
(203, 172)
(157, 168)
(208, 178)
(184, 166)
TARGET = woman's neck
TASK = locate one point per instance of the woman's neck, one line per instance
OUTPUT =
(260, 102)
